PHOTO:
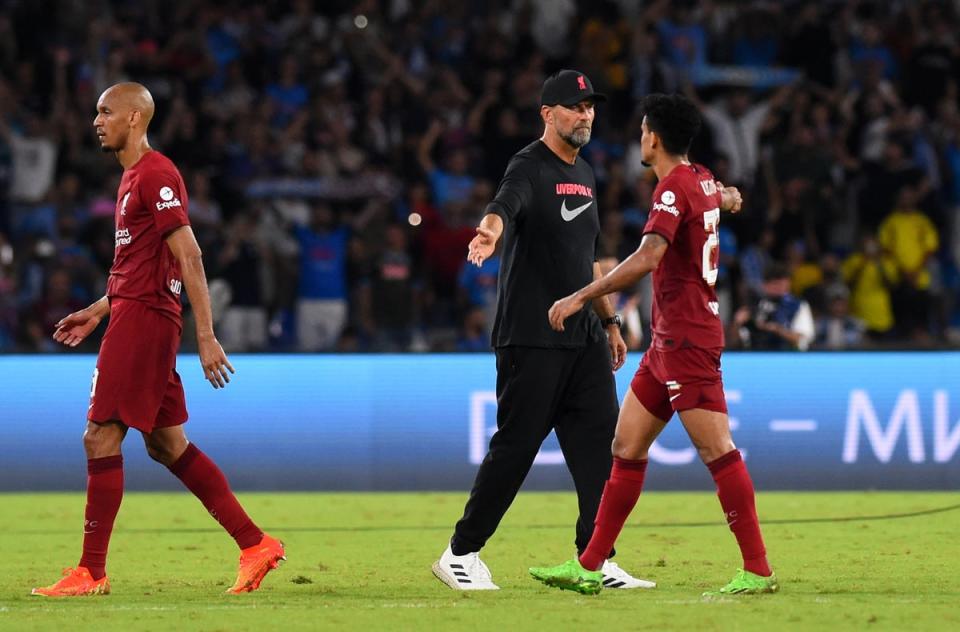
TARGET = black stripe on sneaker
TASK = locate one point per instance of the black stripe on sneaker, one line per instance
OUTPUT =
(456, 566)
(460, 574)
(617, 585)
(464, 581)
(608, 580)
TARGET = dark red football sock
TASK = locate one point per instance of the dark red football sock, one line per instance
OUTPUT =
(620, 494)
(202, 477)
(735, 490)
(104, 493)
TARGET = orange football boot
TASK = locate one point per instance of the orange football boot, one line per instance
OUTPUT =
(76, 582)
(255, 562)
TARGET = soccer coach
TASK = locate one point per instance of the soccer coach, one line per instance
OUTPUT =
(545, 209)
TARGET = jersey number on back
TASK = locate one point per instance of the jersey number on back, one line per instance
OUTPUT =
(711, 247)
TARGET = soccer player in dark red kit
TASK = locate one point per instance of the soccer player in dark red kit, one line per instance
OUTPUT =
(135, 383)
(681, 370)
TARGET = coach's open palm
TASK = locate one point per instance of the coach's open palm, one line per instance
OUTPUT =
(72, 329)
(482, 246)
(214, 362)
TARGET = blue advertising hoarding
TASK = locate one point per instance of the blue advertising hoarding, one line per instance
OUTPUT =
(412, 422)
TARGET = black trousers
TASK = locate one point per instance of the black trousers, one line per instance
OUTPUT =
(570, 390)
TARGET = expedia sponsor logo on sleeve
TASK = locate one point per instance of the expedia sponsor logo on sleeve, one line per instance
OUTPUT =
(169, 199)
(660, 206)
(667, 198)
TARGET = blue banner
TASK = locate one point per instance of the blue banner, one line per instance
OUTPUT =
(411, 422)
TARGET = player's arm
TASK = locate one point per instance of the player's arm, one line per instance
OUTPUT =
(604, 309)
(185, 248)
(514, 193)
(601, 305)
(72, 329)
(638, 265)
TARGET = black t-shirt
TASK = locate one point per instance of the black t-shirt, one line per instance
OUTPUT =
(550, 241)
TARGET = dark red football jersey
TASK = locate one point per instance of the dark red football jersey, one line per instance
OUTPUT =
(151, 203)
(686, 212)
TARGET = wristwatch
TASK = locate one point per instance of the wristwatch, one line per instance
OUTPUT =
(613, 320)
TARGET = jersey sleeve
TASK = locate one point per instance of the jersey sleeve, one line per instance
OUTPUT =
(162, 193)
(668, 209)
(515, 191)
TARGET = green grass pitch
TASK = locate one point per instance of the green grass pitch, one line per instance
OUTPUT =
(362, 561)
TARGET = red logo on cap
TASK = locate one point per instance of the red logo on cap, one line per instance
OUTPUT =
(581, 83)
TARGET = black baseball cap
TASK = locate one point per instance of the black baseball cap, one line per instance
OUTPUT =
(568, 87)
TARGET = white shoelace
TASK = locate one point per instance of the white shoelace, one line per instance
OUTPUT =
(478, 568)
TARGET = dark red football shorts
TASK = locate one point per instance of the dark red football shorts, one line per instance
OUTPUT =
(678, 380)
(136, 381)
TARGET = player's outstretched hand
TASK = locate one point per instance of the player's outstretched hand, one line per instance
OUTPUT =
(731, 200)
(72, 329)
(562, 310)
(214, 362)
(618, 349)
(481, 246)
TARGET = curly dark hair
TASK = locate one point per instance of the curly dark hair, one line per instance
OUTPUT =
(674, 118)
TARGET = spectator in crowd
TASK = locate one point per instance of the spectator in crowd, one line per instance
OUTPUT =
(478, 290)
(8, 293)
(33, 156)
(727, 269)
(322, 297)
(474, 335)
(911, 240)
(41, 317)
(777, 320)
(737, 124)
(756, 259)
(206, 215)
(872, 275)
(837, 329)
(452, 185)
(243, 326)
(395, 290)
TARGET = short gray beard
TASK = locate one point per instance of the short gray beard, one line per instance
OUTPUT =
(577, 138)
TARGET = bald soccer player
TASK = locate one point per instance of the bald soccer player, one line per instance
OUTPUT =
(135, 383)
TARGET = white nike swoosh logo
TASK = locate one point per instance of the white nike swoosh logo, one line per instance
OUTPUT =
(571, 214)
(674, 397)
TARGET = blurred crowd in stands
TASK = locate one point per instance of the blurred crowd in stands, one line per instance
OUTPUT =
(338, 155)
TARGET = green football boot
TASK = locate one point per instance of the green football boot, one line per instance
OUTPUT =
(570, 576)
(747, 583)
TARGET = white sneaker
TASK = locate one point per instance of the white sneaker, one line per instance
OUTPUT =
(616, 577)
(464, 572)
